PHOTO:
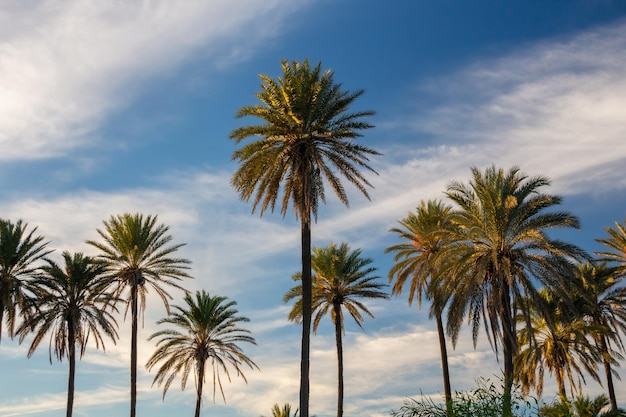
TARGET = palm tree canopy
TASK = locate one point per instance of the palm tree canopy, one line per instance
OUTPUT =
(206, 330)
(422, 238)
(501, 246)
(20, 250)
(306, 139)
(616, 246)
(284, 411)
(137, 250)
(561, 347)
(342, 277)
(602, 300)
(75, 293)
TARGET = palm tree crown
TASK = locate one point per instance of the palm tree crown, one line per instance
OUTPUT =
(19, 251)
(342, 277)
(136, 252)
(306, 137)
(205, 331)
(72, 304)
(423, 237)
(284, 411)
(557, 343)
(615, 246)
(305, 141)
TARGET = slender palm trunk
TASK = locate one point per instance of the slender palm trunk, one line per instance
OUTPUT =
(607, 370)
(71, 353)
(133, 348)
(338, 338)
(307, 296)
(444, 364)
(1, 316)
(508, 346)
(200, 383)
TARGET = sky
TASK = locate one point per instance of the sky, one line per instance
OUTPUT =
(108, 107)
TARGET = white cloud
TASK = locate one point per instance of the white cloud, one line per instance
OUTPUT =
(556, 109)
(67, 65)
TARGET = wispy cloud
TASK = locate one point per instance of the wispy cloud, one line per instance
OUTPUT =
(555, 108)
(66, 66)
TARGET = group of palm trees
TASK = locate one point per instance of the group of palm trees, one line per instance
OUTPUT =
(545, 304)
(489, 259)
(74, 302)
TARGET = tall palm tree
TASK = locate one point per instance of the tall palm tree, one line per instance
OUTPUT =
(71, 305)
(615, 246)
(416, 259)
(561, 347)
(205, 332)
(138, 254)
(306, 140)
(20, 250)
(342, 278)
(602, 301)
(502, 252)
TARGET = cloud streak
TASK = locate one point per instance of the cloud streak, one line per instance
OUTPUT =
(67, 66)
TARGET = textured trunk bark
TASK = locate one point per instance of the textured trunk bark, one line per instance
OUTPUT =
(133, 348)
(444, 364)
(508, 346)
(71, 353)
(1, 317)
(607, 370)
(199, 388)
(338, 338)
(307, 293)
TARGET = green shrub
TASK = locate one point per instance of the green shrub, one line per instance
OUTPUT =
(485, 400)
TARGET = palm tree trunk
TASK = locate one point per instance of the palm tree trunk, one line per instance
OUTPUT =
(444, 364)
(200, 383)
(307, 295)
(71, 353)
(1, 315)
(337, 312)
(133, 348)
(508, 346)
(607, 369)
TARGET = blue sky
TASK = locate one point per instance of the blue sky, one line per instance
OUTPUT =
(126, 106)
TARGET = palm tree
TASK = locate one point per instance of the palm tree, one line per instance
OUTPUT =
(416, 258)
(602, 299)
(19, 251)
(561, 347)
(502, 252)
(71, 305)
(342, 277)
(205, 331)
(616, 246)
(284, 411)
(136, 252)
(306, 140)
